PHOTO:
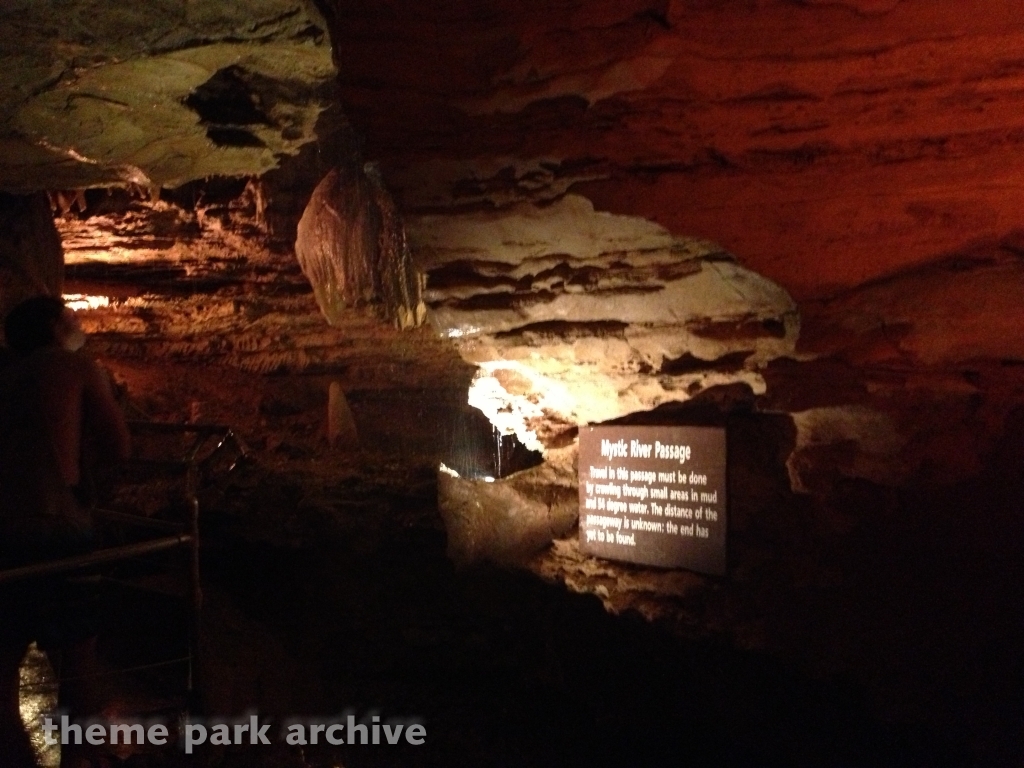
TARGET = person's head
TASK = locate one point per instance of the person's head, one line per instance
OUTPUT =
(42, 321)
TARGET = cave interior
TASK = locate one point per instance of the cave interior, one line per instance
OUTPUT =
(407, 251)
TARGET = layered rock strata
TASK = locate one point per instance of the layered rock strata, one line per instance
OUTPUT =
(31, 257)
(575, 317)
(825, 143)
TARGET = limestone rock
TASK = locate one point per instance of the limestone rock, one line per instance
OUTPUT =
(951, 313)
(826, 143)
(507, 520)
(352, 248)
(844, 441)
(156, 94)
(490, 521)
(575, 316)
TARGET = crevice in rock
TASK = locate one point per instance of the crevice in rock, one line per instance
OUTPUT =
(500, 301)
(227, 136)
(566, 329)
(227, 99)
(752, 328)
(476, 450)
(688, 363)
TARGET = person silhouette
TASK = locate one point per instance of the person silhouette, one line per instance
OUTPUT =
(58, 416)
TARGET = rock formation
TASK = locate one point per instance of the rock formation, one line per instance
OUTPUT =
(352, 247)
(824, 143)
(95, 94)
(563, 169)
(31, 257)
(576, 317)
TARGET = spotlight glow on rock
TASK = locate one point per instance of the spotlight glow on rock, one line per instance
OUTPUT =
(77, 301)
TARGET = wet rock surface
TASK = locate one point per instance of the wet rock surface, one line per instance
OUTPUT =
(506, 520)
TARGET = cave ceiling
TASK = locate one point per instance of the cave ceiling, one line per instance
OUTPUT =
(826, 144)
(803, 213)
(156, 94)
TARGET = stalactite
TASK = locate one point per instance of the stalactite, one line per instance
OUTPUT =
(352, 247)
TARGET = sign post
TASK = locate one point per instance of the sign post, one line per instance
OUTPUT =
(654, 495)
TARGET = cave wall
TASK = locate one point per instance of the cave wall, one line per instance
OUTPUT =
(826, 144)
(862, 154)
(156, 94)
(31, 257)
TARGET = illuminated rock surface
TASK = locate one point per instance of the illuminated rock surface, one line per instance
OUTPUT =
(156, 94)
(496, 521)
(578, 317)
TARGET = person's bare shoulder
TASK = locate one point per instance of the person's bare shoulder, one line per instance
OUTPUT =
(84, 380)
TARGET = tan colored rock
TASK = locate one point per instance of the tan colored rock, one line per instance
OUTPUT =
(575, 316)
(490, 521)
(157, 94)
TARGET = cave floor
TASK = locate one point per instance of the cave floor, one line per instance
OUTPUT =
(328, 592)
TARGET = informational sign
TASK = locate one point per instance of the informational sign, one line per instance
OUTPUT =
(654, 495)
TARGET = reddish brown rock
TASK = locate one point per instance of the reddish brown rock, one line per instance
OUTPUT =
(352, 248)
(31, 257)
(954, 312)
(824, 143)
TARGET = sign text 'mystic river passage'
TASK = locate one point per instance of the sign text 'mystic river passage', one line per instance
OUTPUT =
(654, 495)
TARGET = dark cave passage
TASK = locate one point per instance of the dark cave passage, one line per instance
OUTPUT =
(507, 670)
(329, 592)
(363, 613)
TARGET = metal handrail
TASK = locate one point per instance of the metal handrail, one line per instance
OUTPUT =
(107, 555)
(187, 533)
